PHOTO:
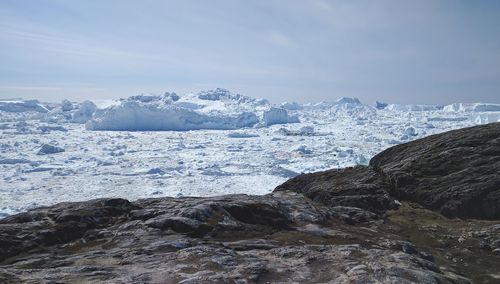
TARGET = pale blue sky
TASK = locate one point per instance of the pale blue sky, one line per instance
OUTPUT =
(436, 51)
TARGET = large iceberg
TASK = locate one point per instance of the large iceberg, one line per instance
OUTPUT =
(215, 109)
(134, 116)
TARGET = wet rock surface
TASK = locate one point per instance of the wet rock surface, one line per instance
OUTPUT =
(339, 226)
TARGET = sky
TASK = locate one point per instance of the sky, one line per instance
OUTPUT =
(397, 51)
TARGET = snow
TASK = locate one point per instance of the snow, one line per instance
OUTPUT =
(213, 142)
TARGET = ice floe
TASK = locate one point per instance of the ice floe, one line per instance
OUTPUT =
(212, 142)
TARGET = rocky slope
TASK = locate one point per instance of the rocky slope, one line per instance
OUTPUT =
(391, 222)
(456, 173)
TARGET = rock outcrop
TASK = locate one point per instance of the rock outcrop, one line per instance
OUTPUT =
(382, 223)
(456, 173)
(359, 187)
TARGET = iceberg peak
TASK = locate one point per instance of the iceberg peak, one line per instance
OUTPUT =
(347, 100)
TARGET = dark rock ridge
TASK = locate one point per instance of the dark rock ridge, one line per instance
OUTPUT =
(360, 187)
(338, 226)
(455, 173)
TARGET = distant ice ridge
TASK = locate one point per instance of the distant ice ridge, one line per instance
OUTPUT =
(482, 118)
(216, 109)
(471, 107)
(411, 107)
(291, 106)
(221, 109)
(343, 102)
(478, 113)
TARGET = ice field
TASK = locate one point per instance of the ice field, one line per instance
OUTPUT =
(204, 144)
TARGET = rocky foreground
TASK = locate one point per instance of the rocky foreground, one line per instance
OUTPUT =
(427, 211)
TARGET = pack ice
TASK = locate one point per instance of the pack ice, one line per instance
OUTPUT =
(213, 142)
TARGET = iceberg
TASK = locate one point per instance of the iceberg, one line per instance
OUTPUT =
(471, 107)
(412, 107)
(216, 109)
(278, 116)
(291, 106)
(133, 116)
(22, 106)
(84, 112)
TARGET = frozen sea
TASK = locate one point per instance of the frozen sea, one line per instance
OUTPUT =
(227, 154)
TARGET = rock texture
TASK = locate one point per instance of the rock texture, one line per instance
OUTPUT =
(338, 226)
(457, 174)
(360, 187)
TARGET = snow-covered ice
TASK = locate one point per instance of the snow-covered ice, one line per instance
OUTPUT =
(214, 142)
(217, 109)
(476, 107)
(22, 106)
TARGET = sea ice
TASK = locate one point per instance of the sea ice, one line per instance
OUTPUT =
(48, 149)
(471, 107)
(228, 143)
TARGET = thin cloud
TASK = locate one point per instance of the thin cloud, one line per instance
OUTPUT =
(323, 5)
(49, 40)
(31, 88)
(279, 39)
